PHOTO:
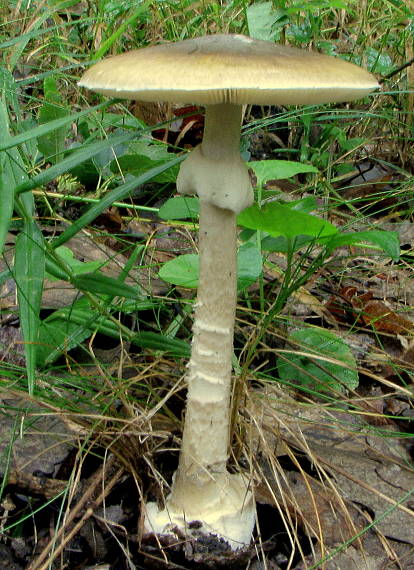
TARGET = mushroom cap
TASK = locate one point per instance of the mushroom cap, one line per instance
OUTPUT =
(228, 69)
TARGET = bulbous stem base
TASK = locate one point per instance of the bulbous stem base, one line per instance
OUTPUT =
(225, 509)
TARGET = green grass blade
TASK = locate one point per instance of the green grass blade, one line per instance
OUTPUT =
(29, 274)
(8, 89)
(36, 29)
(157, 341)
(107, 44)
(103, 285)
(57, 336)
(74, 159)
(7, 199)
(29, 255)
(145, 339)
(117, 194)
(24, 39)
(49, 127)
(37, 77)
(6, 185)
(52, 144)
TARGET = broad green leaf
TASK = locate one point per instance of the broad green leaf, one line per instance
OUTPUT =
(55, 272)
(249, 265)
(183, 270)
(52, 144)
(261, 19)
(388, 241)
(153, 149)
(102, 285)
(103, 159)
(378, 61)
(277, 219)
(77, 267)
(180, 208)
(283, 244)
(307, 204)
(266, 170)
(320, 360)
(138, 164)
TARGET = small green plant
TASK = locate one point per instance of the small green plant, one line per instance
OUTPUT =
(183, 270)
(44, 147)
(319, 361)
(277, 226)
(37, 256)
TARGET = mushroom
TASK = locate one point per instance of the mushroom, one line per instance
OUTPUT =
(221, 72)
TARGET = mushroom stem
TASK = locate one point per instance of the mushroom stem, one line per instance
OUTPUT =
(204, 450)
(215, 170)
(206, 430)
(203, 489)
(222, 127)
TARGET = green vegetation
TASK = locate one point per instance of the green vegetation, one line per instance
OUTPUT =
(98, 252)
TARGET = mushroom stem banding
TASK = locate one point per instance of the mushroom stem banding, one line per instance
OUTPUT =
(203, 489)
(209, 374)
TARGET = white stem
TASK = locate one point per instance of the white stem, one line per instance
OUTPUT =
(203, 489)
(222, 128)
(214, 170)
(204, 450)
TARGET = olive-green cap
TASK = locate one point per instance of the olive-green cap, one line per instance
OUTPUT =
(228, 68)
